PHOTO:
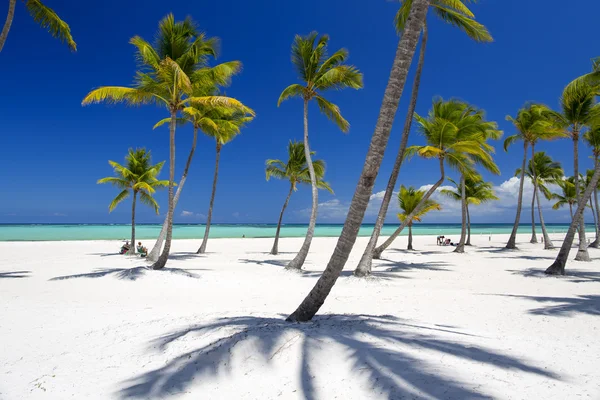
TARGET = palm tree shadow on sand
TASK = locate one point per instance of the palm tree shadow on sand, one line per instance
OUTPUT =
(381, 350)
(563, 306)
(131, 274)
(14, 274)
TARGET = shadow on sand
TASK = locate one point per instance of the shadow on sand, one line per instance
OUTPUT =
(382, 351)
(563, 306)
(131, 274)
(14, 274)
(399, 266)
(572, 275)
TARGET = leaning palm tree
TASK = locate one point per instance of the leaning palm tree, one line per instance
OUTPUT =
(393, 91)
(453, 12)
(296, 172)
(137, 176)
(542, 171)
(169, 69)
(45, 17)
(408, 200)
(592, 138)
(228, 127)
(318, 72)
(533, 122)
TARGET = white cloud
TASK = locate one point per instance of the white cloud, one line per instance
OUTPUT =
(191, 214)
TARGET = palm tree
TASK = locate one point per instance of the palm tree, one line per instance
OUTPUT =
(229, 123)
(476, 192)
(408, 199)
(393, 91)
(45, 17)
(542, 170)
(318, 72)
(592, 138)
(533, 122)
(455, 133)
(295, 171)
(568, 195)
(456, 13)
(169, 69)
(138, 176)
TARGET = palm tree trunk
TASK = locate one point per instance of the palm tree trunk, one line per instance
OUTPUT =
(364, 265)
(202, 248)
(275, 249)
(8, 23)
(393, 91)
(512, 241)
(132, 248)
(533, 233)
(558, 267)
(571, 211)
(298, 261)
(410, 247)
(153, 255)
(379, 250)
(547, 242)
(582, 253)
(460, 247)
(468, 226)
(596, 243)
(162, 260)
(594, 215)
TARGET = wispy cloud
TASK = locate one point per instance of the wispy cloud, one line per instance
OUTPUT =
(191, 214)
(56, 214)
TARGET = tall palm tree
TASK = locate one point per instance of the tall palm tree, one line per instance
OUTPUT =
(408, 199)
(476, 192)
(542, 171)
(364, 188)
(137, 176)
(318, 72)
(592, 138)
(229, 123)
(455, 133)
(169, 69)
(296, 172)
(45, 17)
(533, 122)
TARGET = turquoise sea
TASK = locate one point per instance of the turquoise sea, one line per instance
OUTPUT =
(55, 232)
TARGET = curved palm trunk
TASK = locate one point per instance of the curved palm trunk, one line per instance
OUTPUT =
(202, 248)
(8, 23)
(409, 247)
(558, 267)
(468, 243)
(547, 242)
(153, 255)
(162, 260)
(298, 261)
(460, 247)
(364, 265)
(594, 215)
(596, 243)
(379, 250)
(393, 91)
(132, 248)
(582, 253)
(533, 233)
(512, 241)
(275, 249)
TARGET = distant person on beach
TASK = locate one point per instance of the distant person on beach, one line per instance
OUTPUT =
(142, 250)
(125, 248)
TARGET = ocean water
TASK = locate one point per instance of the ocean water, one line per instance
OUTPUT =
(56, 232)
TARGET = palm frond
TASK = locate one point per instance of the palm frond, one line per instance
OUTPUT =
(120, 197)
(118, 94)
(48, 19)
(149, 201)
(333, 113)
(294, 90)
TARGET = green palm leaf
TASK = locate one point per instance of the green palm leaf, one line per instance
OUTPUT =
(48, 19)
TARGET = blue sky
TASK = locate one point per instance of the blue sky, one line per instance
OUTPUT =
(54, 149)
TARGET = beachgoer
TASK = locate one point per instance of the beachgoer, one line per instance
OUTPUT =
(125, 248)
(142, 250)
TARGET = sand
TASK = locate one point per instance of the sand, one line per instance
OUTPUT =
(78, 321)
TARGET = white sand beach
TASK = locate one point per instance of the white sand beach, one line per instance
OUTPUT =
(79, 321)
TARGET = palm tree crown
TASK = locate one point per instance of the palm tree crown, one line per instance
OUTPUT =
(409, 198)
(547, 171)
(533, 122)
(476, 190)
(568, 195)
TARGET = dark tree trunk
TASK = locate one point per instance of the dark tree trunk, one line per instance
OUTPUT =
(582, 253)
(547, 242)
(596, 243)
(132, 248)
(298, 261)
(558, 267)
(404, 54)
(409, 247)
(468, 226)
(202, 248)
(153, 255)
(512, 241)
(275, 249)
(162, 260)
(8, 23)
(460, 248)
(379, 250)
(364, 266)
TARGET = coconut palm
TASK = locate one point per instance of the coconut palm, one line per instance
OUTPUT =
(228, 123)
(568, 195)
(318, 72)
(393, 91)
(592, 138)
(169, 70)
(296, 172)
(542, 171)
(408, 199)
(45, 17)
(137, 176)
(456, 13)
(533, 122)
